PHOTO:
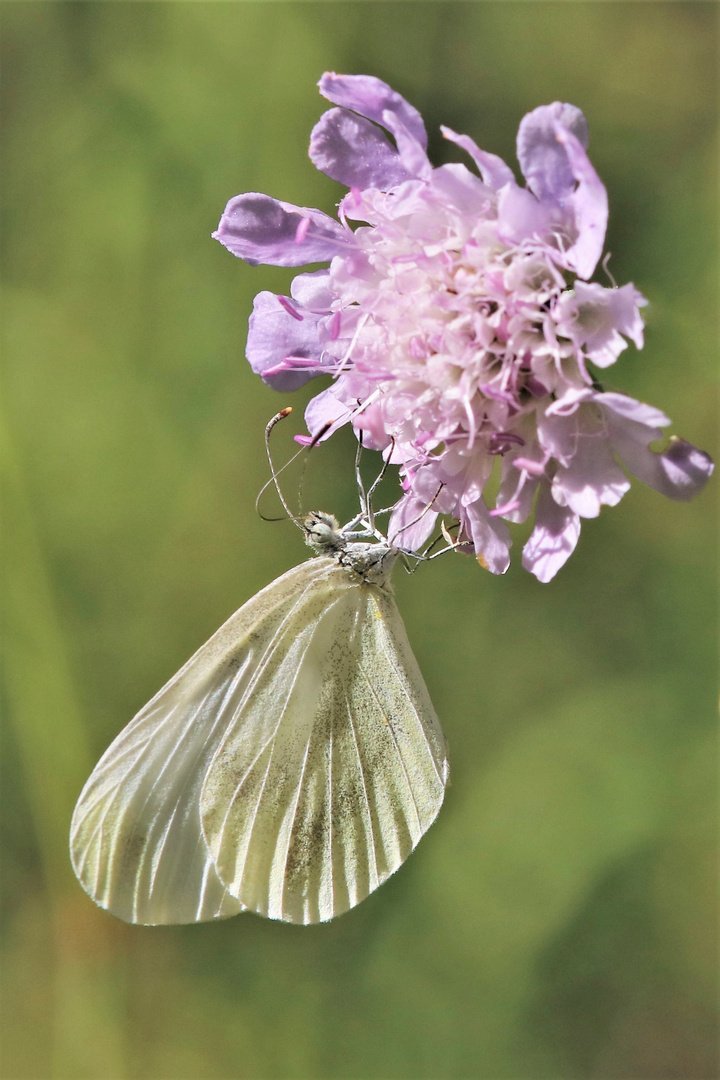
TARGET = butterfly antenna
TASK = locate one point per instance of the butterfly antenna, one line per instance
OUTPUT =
(276, 472)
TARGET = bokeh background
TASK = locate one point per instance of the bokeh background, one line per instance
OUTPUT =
(559, 920)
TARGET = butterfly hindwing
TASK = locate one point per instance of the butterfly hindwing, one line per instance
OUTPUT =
(336, 764)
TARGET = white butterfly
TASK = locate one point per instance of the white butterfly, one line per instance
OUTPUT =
(288, 768)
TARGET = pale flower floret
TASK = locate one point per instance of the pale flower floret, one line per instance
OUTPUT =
(459, 326)
(595, 319)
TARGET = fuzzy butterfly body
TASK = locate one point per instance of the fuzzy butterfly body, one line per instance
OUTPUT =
(288, 768)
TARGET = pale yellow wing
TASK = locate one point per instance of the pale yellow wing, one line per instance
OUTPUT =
(136, 841)
(335, 764)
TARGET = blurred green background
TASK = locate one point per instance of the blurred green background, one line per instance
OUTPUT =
(559, 920)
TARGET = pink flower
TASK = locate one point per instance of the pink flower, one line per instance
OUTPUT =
(459, 325)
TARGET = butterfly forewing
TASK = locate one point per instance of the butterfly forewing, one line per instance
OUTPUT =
(335, 764)
(136, 839)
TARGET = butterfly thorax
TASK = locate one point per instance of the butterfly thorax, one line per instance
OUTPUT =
(373, 562)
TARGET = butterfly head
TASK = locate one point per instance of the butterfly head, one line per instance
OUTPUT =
(323, 533)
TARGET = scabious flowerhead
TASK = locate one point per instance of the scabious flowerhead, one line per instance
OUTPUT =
(459, 325)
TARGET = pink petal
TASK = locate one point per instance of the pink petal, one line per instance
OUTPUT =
(592, 478)
(273, 334)
(589, 205)
(372, 97)
(411, 523)
(355, 152)
(491, 537)
(680, 472)
(494, 171)
(259, 229)
(327, 410)
(553, 540)
(543, 159)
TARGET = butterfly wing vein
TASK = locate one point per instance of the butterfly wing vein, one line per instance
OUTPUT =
(288, 768)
